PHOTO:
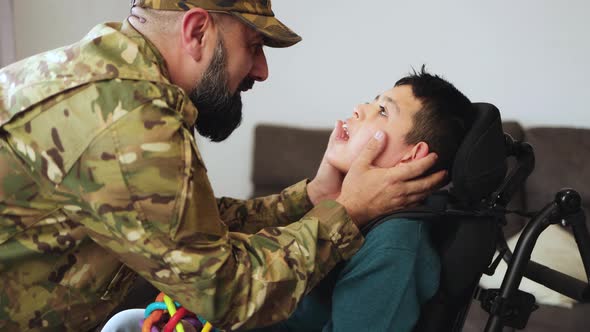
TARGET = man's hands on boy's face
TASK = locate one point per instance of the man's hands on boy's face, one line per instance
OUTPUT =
(368, 192)
(328, 180)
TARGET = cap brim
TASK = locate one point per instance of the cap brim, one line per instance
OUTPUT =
(275, 33)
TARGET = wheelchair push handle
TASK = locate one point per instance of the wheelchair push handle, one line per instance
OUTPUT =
(566, 209)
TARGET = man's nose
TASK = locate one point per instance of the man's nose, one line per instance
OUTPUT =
(259, 71)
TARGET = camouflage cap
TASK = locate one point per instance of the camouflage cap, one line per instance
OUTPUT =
(254, 13)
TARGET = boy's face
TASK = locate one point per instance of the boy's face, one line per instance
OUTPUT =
(392, 112)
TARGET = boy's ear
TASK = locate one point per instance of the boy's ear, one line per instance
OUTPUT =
(418, 151)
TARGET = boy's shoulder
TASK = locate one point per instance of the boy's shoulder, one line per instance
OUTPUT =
(398, 233)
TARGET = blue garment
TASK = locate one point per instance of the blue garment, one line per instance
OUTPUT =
(381, 288)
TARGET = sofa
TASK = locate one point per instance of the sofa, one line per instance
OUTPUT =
(285, 155)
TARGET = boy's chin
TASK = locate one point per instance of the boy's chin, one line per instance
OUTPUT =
(340, 165)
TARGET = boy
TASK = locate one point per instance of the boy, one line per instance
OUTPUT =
(396, 271)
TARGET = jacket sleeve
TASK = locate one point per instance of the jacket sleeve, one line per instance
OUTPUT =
(250, 216)
(145, 185)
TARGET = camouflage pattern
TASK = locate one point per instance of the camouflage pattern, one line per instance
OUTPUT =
(257, 14)
(100, 179)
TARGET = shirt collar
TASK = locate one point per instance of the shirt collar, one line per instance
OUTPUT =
(151, 52)
(146, 47)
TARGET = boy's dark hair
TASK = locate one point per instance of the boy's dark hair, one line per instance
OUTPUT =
(444, 118)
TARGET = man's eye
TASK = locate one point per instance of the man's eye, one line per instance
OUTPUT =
(382, 111)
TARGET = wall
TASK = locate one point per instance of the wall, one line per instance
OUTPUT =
(528, 57)
(7, 45)
(43, 25)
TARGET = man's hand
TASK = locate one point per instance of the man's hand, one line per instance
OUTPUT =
(328, 180)
(368, 191)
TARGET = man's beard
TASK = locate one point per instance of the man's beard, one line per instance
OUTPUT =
(220, 111)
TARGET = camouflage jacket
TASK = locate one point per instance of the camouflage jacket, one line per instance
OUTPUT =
(100, 179)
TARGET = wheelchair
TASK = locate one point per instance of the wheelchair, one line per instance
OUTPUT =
(467, 221)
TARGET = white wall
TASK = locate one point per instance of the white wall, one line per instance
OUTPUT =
(529, 57)
(41, 25)
(7, 44)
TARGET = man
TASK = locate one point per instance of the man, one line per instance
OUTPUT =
(101, 178)
(384, 285)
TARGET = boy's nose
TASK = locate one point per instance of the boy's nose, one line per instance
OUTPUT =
(360, 112)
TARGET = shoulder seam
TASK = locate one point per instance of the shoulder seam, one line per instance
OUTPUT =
(80, 150)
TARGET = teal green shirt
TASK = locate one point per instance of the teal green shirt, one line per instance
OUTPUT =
(381, 288)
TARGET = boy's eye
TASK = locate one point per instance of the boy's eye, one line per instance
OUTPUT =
(382, 111)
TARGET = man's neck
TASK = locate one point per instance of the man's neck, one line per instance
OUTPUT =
(162, 44)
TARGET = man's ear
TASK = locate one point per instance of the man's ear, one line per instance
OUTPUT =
(196, 28)
(418, 151)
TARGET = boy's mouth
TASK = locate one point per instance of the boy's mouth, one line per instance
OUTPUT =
(342, 133)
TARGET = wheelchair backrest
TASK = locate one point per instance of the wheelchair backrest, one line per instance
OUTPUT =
(464, 233)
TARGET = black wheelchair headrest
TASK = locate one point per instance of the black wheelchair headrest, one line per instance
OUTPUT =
(480, 163)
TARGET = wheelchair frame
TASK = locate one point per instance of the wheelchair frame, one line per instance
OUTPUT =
(508, 306)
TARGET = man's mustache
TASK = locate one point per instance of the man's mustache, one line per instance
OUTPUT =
(246, 84)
